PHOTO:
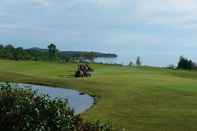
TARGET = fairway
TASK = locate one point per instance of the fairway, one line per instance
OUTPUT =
(137, 99)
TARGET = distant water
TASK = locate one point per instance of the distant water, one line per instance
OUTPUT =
(106, 60)
(159, 59)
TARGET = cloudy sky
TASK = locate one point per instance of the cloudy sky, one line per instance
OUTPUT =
(158, 30)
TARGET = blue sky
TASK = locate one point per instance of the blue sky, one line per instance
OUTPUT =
(131, 28)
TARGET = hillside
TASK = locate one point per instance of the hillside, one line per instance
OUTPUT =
(76, 53)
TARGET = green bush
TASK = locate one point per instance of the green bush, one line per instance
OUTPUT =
(24, 110)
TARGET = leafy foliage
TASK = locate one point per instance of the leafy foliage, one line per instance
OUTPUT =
(12, 53)
(51, 54)
(24, 110)
(138, 61)
(185, 63)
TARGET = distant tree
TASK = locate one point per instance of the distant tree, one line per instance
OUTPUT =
(181, 63)
(1, 51)
(12, 53)
(138, 61)
(185, 63)
(19, 54)
(9, 51)
(130, 64)
(27, 55)
(1, 47)
(52, 52)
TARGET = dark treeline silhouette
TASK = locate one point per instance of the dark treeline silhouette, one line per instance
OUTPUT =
(50, 54)
(138, 61)
(186, 64)
(12, 53)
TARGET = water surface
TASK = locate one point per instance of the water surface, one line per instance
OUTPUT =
(77, 101)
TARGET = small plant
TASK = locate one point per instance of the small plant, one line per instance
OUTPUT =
(24, 110)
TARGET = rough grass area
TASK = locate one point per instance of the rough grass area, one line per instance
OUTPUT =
(138, 99)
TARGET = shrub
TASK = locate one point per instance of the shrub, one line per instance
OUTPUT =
(24, 110)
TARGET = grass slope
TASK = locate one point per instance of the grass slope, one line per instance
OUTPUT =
(138, 99)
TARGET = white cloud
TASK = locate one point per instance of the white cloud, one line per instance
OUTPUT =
(102, 22)
(167, 11)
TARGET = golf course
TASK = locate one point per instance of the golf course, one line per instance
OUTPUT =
(131, 98)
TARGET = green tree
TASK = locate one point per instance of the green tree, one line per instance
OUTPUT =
(19, 54)
(130, 64)
(185, 64)
(9, 52)
(1, 51)
(52, 52)
(138, 61)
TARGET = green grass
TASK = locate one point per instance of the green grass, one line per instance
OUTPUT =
(138, 99)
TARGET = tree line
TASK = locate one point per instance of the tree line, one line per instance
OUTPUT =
(51, 54)
(183, 64)
(186, 64)
(137, 63)
(12, 53)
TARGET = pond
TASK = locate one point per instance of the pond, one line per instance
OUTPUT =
(78, 101)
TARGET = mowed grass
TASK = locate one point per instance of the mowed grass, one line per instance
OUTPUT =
(137, 99)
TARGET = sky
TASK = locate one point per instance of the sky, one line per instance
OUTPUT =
(157, 30)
